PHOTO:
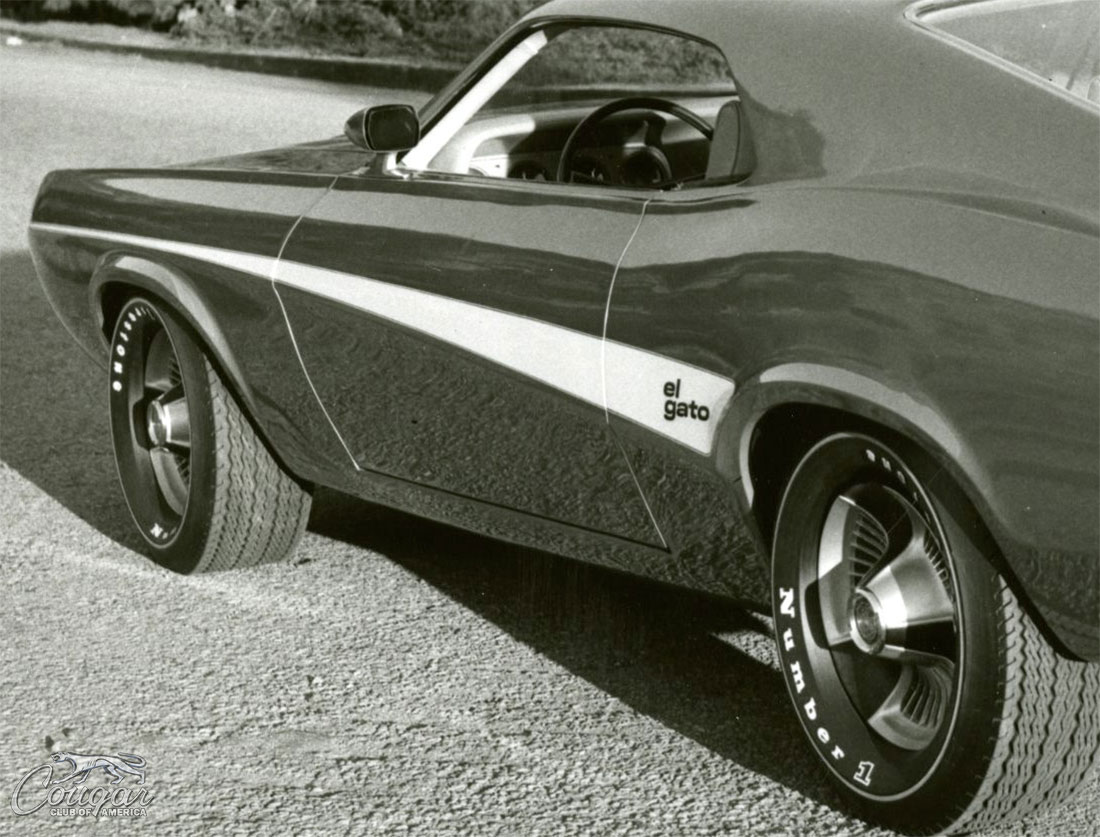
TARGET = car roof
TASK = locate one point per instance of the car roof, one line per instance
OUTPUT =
(860, 91)
(708, 18)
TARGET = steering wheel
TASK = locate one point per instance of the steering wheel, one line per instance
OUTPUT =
(693, 119)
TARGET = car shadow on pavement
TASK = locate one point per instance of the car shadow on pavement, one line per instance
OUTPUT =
(702, 666)
(53, 407)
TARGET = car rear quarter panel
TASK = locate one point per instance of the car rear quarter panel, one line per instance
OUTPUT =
(932, 263)
(971, 329)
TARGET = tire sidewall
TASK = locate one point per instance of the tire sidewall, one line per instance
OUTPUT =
(964, 745)
(183, 550)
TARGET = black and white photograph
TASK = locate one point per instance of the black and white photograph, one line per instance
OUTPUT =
(586, 417)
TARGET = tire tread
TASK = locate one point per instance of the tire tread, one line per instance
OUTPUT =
(260, 512)
(1048, 739)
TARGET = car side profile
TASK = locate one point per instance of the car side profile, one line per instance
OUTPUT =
(794, 302)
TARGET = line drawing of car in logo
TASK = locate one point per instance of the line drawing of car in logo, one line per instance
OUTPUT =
(820, 334)
(118, 767)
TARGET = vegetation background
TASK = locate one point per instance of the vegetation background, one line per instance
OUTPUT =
(451, 31)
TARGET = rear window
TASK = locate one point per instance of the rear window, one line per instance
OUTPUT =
(1058, 40)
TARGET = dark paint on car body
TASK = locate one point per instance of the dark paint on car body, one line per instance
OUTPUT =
(907, 251)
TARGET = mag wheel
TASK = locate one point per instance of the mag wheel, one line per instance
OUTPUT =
(917, 677)
(203, 490)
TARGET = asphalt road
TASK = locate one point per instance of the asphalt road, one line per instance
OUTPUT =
(400, 677)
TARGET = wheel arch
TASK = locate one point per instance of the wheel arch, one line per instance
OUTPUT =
(769, 414)
(118, 278)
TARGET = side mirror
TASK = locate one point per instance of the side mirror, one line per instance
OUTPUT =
(384, 128)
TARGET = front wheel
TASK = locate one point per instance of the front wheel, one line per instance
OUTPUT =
(203, 490)
(930, 695)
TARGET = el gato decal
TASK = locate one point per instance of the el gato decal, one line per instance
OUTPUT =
(674, 408)
(111, 793)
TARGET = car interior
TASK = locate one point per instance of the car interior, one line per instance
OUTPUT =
(642, 146)
(584, 116)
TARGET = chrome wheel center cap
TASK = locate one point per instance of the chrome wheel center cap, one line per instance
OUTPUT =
(865, 621)
(157, 424)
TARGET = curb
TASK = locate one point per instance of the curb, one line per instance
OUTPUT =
(364, 71)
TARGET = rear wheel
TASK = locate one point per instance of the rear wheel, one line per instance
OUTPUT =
(203, 490)
(920, 681)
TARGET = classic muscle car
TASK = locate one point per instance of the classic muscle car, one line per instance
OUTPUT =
(794, 302)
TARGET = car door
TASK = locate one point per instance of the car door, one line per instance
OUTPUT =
(451, 327)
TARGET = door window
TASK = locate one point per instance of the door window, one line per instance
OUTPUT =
(599, 105)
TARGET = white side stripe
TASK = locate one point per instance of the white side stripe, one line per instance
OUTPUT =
(558, 357)
(244, 262)
(567, 360)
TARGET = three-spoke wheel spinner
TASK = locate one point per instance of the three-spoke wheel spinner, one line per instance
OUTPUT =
(886, 601)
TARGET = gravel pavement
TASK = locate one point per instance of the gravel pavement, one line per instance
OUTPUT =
(400, 677)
